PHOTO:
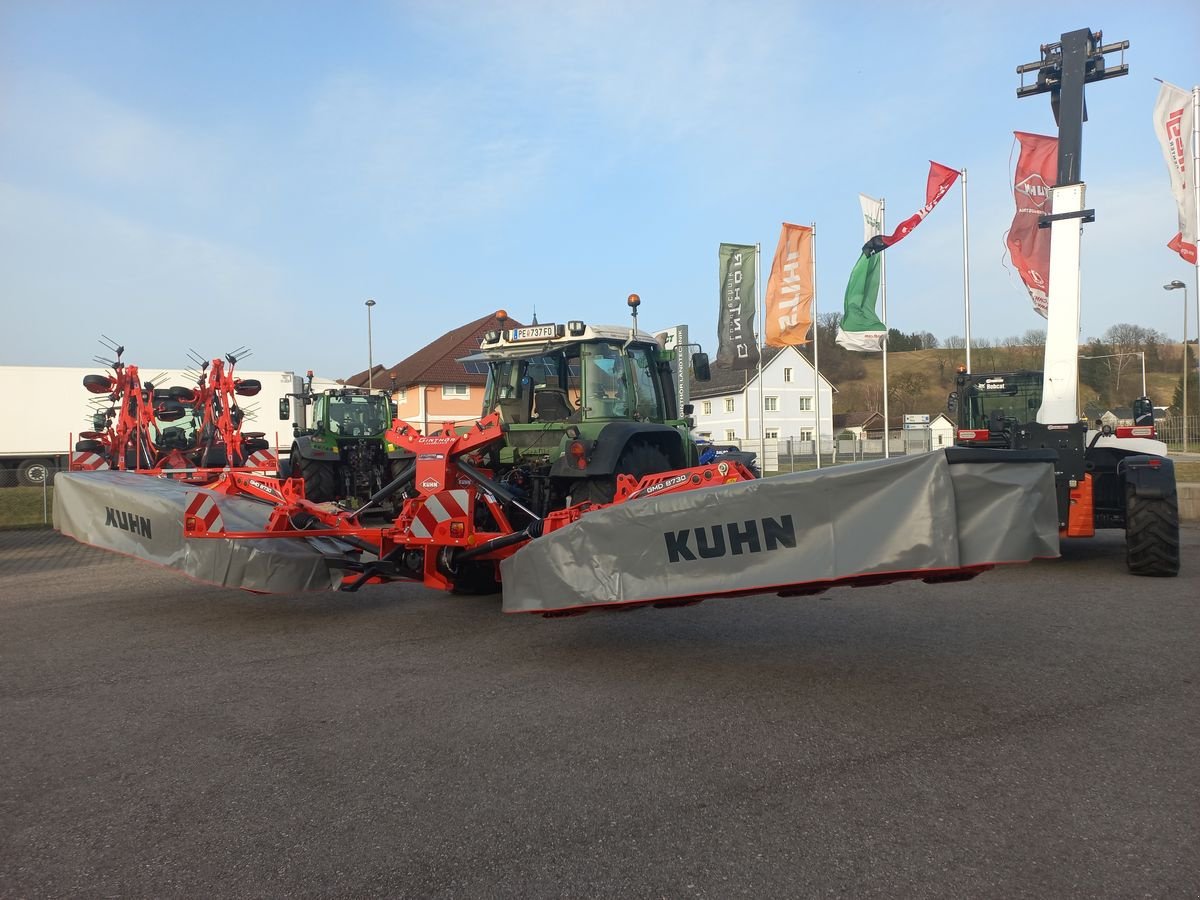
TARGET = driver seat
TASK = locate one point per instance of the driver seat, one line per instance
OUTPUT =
(551, 404)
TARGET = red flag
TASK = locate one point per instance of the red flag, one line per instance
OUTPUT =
(1028, 245)
(790, 288)
(941, 178)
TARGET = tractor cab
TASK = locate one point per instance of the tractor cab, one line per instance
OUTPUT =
(992, 407)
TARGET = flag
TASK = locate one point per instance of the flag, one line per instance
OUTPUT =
(790, 288)
(940, 180)
(737, 346)
(1173, 123)
(861, 328)
(1029, 245)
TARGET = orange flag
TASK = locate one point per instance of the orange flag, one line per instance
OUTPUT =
(790, 288)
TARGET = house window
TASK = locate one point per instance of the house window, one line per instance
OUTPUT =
(730, 434)
(728, 404)
(707, 407)
(787, 375)
(805, 404)
(805, 434)
(772, 434)
(455, 391)
(771, 404)
(401, 396)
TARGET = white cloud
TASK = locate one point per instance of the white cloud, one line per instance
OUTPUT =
(51, 119)
(69, 272)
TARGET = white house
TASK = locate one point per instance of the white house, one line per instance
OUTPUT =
(941, 432)
(732, 407)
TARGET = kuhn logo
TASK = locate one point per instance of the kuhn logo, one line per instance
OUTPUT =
(731, 538)
(1035, 189)
(431, 484)
(134, 524)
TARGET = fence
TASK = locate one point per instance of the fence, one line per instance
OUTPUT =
(794, 455)
(26, 504)
(1171, 431)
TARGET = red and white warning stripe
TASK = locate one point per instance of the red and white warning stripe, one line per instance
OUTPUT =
(437, 509)
(262, 459)
(87, 461)
(203, 510)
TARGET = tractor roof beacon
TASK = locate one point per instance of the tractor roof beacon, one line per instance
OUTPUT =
(1103, 480)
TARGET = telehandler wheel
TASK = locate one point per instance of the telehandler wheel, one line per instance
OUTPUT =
(1151, 534)
(638, 460)
(320, 483)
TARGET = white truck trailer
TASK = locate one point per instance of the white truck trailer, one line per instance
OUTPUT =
(47, 407)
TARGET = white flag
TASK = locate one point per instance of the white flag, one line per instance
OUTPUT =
(1174, 120)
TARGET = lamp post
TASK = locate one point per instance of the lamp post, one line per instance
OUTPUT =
(1175, 286)
(370, 350)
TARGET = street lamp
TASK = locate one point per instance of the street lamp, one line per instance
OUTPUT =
(1175, 286)
(370, 354)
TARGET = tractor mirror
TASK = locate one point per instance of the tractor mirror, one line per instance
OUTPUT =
(285, 408)
(700, 367)
(952, 401)
(688, 409)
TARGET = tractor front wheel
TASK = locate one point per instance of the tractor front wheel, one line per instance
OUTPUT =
(1151, 534)
(320, 482)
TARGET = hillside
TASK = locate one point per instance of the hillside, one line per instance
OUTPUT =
(920, 380)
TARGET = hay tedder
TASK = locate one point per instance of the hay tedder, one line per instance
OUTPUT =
(576, 490)
(188, 433)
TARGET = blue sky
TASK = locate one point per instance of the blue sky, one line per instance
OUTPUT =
(211, 175)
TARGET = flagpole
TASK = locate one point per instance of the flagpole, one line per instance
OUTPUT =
(816, 347)
(887, 450)
(966, 271)
(762, 415)
(1196, 236)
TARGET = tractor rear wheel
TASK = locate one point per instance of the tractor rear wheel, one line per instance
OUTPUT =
(320, 483)
(1151, 534)
(638, 460)
(89, 445)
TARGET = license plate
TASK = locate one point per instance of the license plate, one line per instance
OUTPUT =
(535, 333)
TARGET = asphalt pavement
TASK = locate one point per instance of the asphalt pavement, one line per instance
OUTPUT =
(1032, 733)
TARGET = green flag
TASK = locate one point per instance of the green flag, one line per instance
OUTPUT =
(861, 328)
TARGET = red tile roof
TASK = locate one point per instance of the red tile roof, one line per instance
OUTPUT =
(437, 362)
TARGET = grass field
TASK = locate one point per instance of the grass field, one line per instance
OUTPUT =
(22, 507)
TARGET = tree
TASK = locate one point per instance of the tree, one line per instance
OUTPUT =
(906, 390)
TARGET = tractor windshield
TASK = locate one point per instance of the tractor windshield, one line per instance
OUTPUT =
(357, 415)
(575, 382)
(989, 401)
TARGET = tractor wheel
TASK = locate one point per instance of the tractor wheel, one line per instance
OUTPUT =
(35, 472)
(320, 483)
(89, 445)
(638, 460)
(98, 384)
(1151, 534)
(214, 458)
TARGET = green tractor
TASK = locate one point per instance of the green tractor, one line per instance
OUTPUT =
(341, 452)
(581, 404)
